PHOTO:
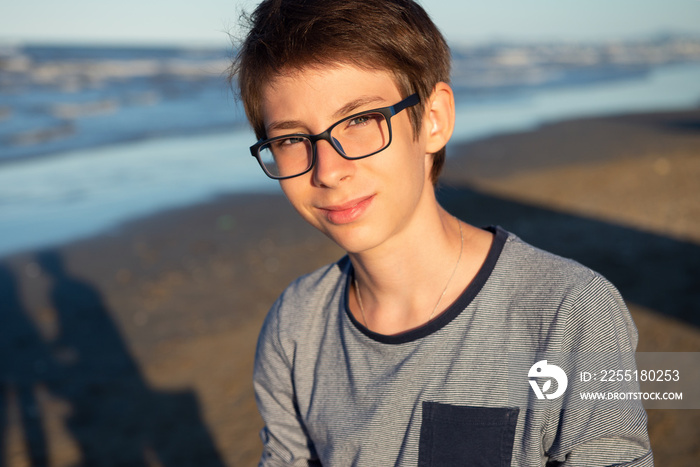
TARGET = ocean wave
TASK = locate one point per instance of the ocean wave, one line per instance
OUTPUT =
(42, 135)
(54, 99)
(84, 109)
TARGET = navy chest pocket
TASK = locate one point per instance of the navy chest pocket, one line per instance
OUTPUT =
(454, 435)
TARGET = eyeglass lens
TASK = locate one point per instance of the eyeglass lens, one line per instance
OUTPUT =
(354, 138)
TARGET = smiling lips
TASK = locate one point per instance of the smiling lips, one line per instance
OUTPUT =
(347, 212)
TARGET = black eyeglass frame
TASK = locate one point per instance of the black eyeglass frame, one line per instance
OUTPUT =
(387, 112)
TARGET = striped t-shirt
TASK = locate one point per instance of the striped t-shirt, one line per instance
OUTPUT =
(456, 391)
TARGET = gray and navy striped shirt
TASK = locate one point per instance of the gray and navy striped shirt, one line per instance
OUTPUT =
(455, 391)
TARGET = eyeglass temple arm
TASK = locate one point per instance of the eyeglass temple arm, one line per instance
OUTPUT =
(410, 101)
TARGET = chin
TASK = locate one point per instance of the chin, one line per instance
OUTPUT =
(353, 240)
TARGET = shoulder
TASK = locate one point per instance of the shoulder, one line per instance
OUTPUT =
(304, 303)
(587, 306)
(531, 273)
(315, 288)
(522, 261)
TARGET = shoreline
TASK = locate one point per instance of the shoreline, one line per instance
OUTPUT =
(52, 199)
(481, 162)
(178, 297)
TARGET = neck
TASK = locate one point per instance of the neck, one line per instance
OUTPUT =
(413, 278)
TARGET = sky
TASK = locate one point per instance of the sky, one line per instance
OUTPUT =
(206, 22)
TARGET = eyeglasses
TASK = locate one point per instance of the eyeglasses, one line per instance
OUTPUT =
(355, 137)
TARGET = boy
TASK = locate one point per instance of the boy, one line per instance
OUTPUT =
(403, 352)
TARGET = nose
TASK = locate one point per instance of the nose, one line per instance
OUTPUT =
(331, 168)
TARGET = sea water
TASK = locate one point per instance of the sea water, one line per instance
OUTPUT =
(69, 194)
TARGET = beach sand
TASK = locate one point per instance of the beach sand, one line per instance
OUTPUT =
(172, 304)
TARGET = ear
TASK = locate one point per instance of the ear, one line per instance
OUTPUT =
(439, 119)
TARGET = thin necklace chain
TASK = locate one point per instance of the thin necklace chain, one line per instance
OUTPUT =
(358, 295)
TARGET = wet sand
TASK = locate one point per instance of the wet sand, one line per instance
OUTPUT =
(135, 347)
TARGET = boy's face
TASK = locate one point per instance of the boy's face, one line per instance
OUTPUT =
(360, 204)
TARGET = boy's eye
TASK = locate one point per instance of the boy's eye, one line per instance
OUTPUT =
(362, 120)
(288, 141)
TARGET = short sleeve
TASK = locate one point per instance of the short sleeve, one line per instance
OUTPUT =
(285, 441)
(599, 333)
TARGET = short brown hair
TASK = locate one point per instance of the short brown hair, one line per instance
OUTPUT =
(393, 35)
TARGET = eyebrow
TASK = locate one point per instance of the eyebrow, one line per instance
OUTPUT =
(345, 110)
(351, 106)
